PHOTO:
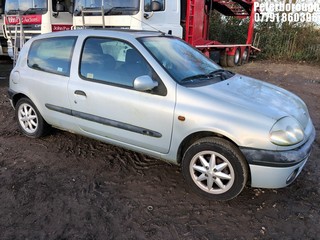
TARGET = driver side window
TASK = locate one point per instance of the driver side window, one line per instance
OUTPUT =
(112, 61)
(65, 3)
(154, 5)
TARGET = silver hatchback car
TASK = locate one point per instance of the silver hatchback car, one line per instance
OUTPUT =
(153, 93)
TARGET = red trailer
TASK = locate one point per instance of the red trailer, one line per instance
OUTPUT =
(197, 28)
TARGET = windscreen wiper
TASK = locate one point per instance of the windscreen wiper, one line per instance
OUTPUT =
(114, 10)
(32, 11)
(223, 73)
(194, 77)
(13, 11)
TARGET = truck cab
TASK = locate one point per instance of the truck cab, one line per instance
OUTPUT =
(25, 19)
(137, 14)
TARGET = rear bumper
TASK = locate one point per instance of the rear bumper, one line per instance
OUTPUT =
(277, 169)
(11, 93)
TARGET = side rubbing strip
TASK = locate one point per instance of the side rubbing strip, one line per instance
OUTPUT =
(104, 121)
(59, 109)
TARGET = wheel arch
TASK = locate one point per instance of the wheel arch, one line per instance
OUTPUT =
(17, 97)
(190, 139)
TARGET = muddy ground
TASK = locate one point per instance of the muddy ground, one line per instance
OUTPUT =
(66, 186)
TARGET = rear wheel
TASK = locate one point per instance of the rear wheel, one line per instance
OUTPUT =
(29, 119)
(215, 169)
(235, 59)
(245, 56)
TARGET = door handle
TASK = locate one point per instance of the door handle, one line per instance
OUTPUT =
(79, 92)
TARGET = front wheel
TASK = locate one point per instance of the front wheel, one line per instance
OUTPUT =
(215, 169)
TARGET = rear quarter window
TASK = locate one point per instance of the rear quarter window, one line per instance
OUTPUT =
(52, 55)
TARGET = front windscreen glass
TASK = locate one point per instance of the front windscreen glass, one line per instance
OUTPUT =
(26, 7)
(109, 7)
(185, 64)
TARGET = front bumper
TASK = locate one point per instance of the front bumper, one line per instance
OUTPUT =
(277, 169)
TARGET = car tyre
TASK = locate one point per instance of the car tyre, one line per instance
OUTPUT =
(215, 169)
(245, 56)
(234, 60)
(30, 121)
(223, 59)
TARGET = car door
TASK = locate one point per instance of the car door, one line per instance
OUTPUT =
(107, 106)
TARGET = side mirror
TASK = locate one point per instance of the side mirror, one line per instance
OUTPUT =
(144, 83)
(59, 7)
(156, 6)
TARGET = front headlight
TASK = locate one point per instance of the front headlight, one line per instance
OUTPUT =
(286, 131)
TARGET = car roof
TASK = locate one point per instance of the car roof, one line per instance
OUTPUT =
(114, 32)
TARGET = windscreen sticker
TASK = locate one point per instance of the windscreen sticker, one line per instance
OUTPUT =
(89, 75)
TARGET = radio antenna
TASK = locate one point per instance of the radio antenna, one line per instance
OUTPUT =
(149, 25)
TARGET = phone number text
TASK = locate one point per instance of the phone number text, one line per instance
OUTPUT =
(286, 17)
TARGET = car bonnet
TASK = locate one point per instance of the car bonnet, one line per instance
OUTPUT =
(260, 97)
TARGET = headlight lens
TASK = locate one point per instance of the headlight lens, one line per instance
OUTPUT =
(286, 131)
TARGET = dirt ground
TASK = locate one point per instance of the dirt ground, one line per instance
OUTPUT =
(66, 186)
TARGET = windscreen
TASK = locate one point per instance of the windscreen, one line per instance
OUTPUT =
(26, 7)
(110, 7)
(184, 63)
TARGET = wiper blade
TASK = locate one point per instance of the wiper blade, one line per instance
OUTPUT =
(13, 11)
(198, 76)
(114, 10)
(220, 71)
(32, 11)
